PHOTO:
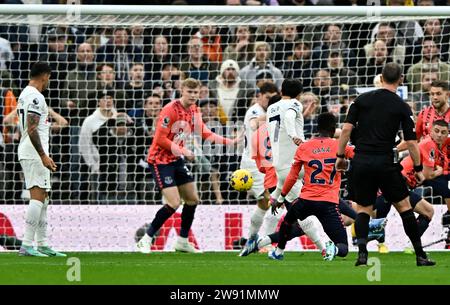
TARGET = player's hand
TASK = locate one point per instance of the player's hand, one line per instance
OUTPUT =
(341, 164)
(275, 204)
(189, 156)
(48, 163)
(239, 138)
(420, 178)
(439, 171)
(297, 141)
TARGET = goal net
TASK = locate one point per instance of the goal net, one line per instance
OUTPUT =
(113, 72)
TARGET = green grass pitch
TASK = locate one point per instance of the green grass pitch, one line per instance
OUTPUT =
(220, 268)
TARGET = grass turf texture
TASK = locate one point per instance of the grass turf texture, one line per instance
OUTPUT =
(221, 268)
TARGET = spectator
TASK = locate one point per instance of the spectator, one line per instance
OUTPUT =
(136, 88)
(430, 61)
(90, 157)
(299, 64)
(241, 50)
(395, 50)
(230, 91)
(375, 64)
(339, 74)
(196, 65)
(160, 57)
(421, 99)
(6, 53)
(211, 43)
(284, 44)
(322, 87)
(106, 81)
(439, 32)
(332, 40)
(261, 61)
(80, 82)
(111, 140)
(169, 87)
(207, 160)
(119, 51)
(100, 37)
(311, 107)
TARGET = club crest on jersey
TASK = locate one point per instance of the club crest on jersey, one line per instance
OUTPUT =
(168, 180)
(432, 155)
(166, 122)
(36, 101)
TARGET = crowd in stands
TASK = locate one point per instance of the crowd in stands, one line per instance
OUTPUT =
(109, 83)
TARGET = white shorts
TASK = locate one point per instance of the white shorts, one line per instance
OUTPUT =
(295, 190)
(36, 174)
(257, 190)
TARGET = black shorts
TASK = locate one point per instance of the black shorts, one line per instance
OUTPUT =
(382, 206)
(373, 172)
(171, 174)
(327, 213)
(439, 186)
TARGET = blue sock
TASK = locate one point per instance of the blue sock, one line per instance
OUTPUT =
(160, 218)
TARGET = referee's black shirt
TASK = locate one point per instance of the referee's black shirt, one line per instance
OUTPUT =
(378, 115)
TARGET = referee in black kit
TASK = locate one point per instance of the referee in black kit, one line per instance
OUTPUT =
(376, 117)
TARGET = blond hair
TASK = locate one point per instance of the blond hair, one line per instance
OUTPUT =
(190, 83)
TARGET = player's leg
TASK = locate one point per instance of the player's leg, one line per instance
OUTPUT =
(189, 194)
(424, 209)
(394, 189)
(296, 211)
(37, 180)
(262, 205)
(333, 225)
(164, 176)
(41, 232)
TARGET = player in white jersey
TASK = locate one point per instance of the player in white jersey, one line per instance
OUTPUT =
(34, 158)
(254, 116)
(285, 126)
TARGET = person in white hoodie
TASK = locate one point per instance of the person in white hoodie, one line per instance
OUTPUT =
(90, 157)
(231, 91)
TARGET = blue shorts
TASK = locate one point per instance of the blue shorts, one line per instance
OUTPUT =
(172, 174)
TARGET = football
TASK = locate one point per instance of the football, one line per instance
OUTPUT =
(241, 180)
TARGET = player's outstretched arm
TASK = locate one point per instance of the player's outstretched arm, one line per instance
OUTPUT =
(33, 123)
(341, 164)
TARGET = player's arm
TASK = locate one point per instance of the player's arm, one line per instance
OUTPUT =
(419, 126)
(257, 121)
(289, 124)
(341, 164)
(293, 173)
(430, 171)
(59, 121)
(33, 119)
(411, 142)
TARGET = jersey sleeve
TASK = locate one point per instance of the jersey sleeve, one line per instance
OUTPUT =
(428, 154)
(36, 106)
(297, 107)
(295, 170)
(353, 113)
(163, 128)
(408, 123)
(289, 123)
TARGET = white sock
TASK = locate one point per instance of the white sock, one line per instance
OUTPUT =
(31, 221)
(41, 230)
(279, 251)
(182, 239)
(256, 221)
(271, 222)
(265, 241)
(313, 229)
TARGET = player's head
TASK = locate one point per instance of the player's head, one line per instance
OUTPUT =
(326, 124)
(266, 91)
(439, 131)
(190, 91)
(392, 74)
(40, 72)
(274, 99)
(291, 87)
(439, 94)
